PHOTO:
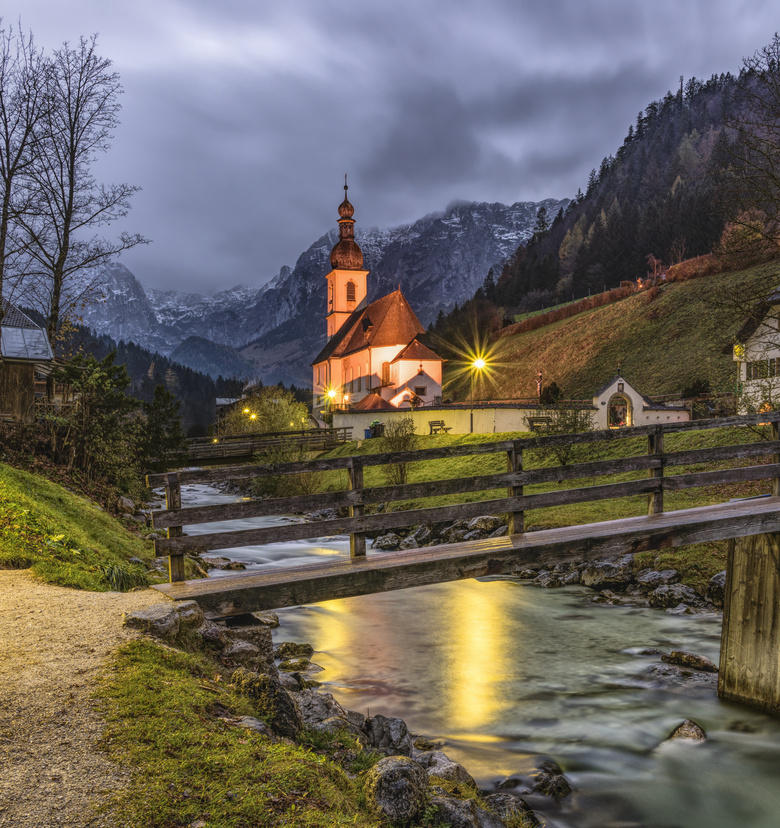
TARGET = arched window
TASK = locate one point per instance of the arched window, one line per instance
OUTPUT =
(619, 411)
(351, 290)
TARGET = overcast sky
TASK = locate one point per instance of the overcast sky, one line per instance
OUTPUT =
(240, 117)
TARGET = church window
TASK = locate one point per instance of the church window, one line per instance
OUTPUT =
(350, 291)
(420, 390)
(330, 295)
(360, 383)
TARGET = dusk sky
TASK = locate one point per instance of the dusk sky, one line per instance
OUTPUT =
(241, 117)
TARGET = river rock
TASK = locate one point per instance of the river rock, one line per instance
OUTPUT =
(294, 665)
(673, 594)
(500, 532)
(316, 707)
(695, 662)
(548, 578)
(606, 596)
(408, 543)
(485, 523)
(650, 579)
(610, 573)
(274, 704)
(160, 620)
(212, 562)
(387, 543)
(288, 649)
(550, 781)
(474, 534)
(462, 813)
(439, 764)
(572, 577)
(389, 735)
(396, 787)
(455, 535)
(422, 534)
(245, 654)
(267, 618)
(672, 675)
(689, 731)
(527, 574)
(716, 589)
(509, 806)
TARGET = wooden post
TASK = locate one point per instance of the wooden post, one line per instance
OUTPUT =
(750, 648)
(357, 541)
(655, 445)
(514, 463)
(776, 459)
(173, 501)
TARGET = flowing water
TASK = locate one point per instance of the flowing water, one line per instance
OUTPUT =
(504, 673)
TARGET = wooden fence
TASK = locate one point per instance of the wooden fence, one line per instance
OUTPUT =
(245, 445)
(515, 502)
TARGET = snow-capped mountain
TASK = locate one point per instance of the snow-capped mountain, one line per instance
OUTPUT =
(439, 260)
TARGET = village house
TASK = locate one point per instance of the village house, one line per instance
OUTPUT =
(26, 353)
(373, 359)
(756, 351)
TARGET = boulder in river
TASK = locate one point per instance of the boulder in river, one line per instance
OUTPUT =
(462, 813)
(609, 573)
(387, 543)
(673, 594)
(716, 589)
(550, 781)
(650, 579)
(396, 787)
(485, 523)
(439, 764)
(688, 731)
(695, 662)
(510, 806)
(290, 649)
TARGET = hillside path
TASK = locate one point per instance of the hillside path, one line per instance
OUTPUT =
(54, 642)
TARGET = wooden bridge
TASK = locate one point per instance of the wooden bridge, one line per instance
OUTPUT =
(753, 590)
(244, 446)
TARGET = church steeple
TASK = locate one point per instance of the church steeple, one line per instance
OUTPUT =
(347, 286)
(346, 255)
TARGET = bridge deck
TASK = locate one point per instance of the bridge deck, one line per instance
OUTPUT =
(381, 572)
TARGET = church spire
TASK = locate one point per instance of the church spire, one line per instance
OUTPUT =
(346, 255)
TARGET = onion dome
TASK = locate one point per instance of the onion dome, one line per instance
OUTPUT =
(346, 255)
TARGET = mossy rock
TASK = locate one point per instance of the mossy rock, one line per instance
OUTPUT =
(290, 649)
(294, 665)
(272, 702)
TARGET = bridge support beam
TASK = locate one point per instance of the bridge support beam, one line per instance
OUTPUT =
(750, 641)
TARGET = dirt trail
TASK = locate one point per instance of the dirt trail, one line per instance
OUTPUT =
(53, 644)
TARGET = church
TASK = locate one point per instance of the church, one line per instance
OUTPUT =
(373, 358)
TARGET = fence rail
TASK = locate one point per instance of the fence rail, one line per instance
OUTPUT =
(243, 445)
(513, 481)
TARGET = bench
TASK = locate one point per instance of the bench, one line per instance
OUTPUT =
(438, 427)
(538, 423)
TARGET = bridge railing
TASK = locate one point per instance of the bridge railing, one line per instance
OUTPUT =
(514, 502)
(245, 445)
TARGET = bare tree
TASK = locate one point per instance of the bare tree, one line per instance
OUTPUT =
(70, 204)
(22, 107)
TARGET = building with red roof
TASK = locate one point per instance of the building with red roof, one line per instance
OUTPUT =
(373, 358)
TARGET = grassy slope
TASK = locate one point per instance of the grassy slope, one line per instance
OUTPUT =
(661, 342)
(65, 538)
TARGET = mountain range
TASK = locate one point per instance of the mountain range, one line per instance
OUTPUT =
(273, 331)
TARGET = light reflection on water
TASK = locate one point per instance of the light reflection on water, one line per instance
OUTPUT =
(505, 672)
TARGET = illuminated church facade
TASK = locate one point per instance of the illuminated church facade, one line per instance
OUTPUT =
(373, 358)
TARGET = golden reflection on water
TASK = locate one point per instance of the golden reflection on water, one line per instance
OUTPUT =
(481, 660)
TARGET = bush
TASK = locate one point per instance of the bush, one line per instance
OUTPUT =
(399, 436)
(285, 485)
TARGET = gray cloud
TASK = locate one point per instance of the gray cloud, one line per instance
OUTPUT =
(240, 118)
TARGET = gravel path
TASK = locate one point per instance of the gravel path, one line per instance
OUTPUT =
(53, 644)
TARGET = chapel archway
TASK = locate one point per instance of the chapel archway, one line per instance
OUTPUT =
(619, 412)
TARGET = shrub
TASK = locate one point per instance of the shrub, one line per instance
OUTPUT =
(399, 436)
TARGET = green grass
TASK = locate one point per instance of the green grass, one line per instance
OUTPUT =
(64, 538)
(162, 707)
(662, 340)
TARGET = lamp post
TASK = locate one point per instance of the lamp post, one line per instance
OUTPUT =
(477, 365)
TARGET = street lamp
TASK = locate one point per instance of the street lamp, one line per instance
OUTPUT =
(477, 365)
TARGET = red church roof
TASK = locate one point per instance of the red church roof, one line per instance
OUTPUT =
(388, 321)
(372, 402)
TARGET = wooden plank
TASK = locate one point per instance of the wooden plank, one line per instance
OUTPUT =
(514, 464)
(721, 453)
(173, 501)
(750, 640)
(219, 597)
(776, 459)
(677, 482)
(393, 520)
(655, 448)
(357, 540)
(388, 494)
(234, 473)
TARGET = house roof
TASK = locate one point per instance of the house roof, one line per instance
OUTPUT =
(372, 402)
(21, 338)
(416, 352)
(387, 321)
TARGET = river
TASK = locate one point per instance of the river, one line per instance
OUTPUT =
(504, 673)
